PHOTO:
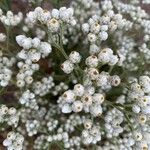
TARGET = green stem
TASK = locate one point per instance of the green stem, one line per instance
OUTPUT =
(130, 123)
(110, 69)
(118, 107)
(7, 32)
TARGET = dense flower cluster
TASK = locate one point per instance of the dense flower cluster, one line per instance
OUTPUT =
(5, 67)
(9, 116)
(10, 19)
(75, 77)
(14, 141)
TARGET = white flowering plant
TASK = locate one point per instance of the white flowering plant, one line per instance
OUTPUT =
(75, 76)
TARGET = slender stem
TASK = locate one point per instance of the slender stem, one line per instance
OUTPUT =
(63, 52)
(130, 123)
(7, 32)
(2, 90)
(118, 107)
(110, 69)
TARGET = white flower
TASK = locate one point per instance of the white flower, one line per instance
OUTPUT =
(4, 110)
(2, 37)
(85, 27)
(98, 98)
(93, 73)
(34, 55)
(94, 49)
(103, 35)
(79, 89)
(74, 57)
(32, 17)
(53, 25)
(38, 10)
(7, 142)
(14, 141)
(142, 119)
(66, 108)
(69, 96)
(20, 38)
(45, 48)
(77, 106)
(32, 127)
(55, 13)
(95, 28)
(115, 80)
(20, 83)
(138, 136)
(36, 42)
(44, 16)
(10, 19)
(29, 79)
(87, 100)
(22, 54)
(88, 123)
(26, 43)
(92, 61)
(113, 60)
(66, 14)
(67, 66)
(136, 109)
(104, 55)
(104, 27)
(12, 111)
(92, 37)
(96, 110)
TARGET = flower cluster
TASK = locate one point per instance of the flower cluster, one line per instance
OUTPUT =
(98, 27)
(80, 99)
(61, 87)
(52, 19)
(32, 127)
(14, 141)
(139, 94)
(5, 67)
(10, 19)
(75, 77)
(43, 87)
(9, 115)
(91, 135)
(113, 119)
(68, 65)
(28, 99)
(33, 50)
